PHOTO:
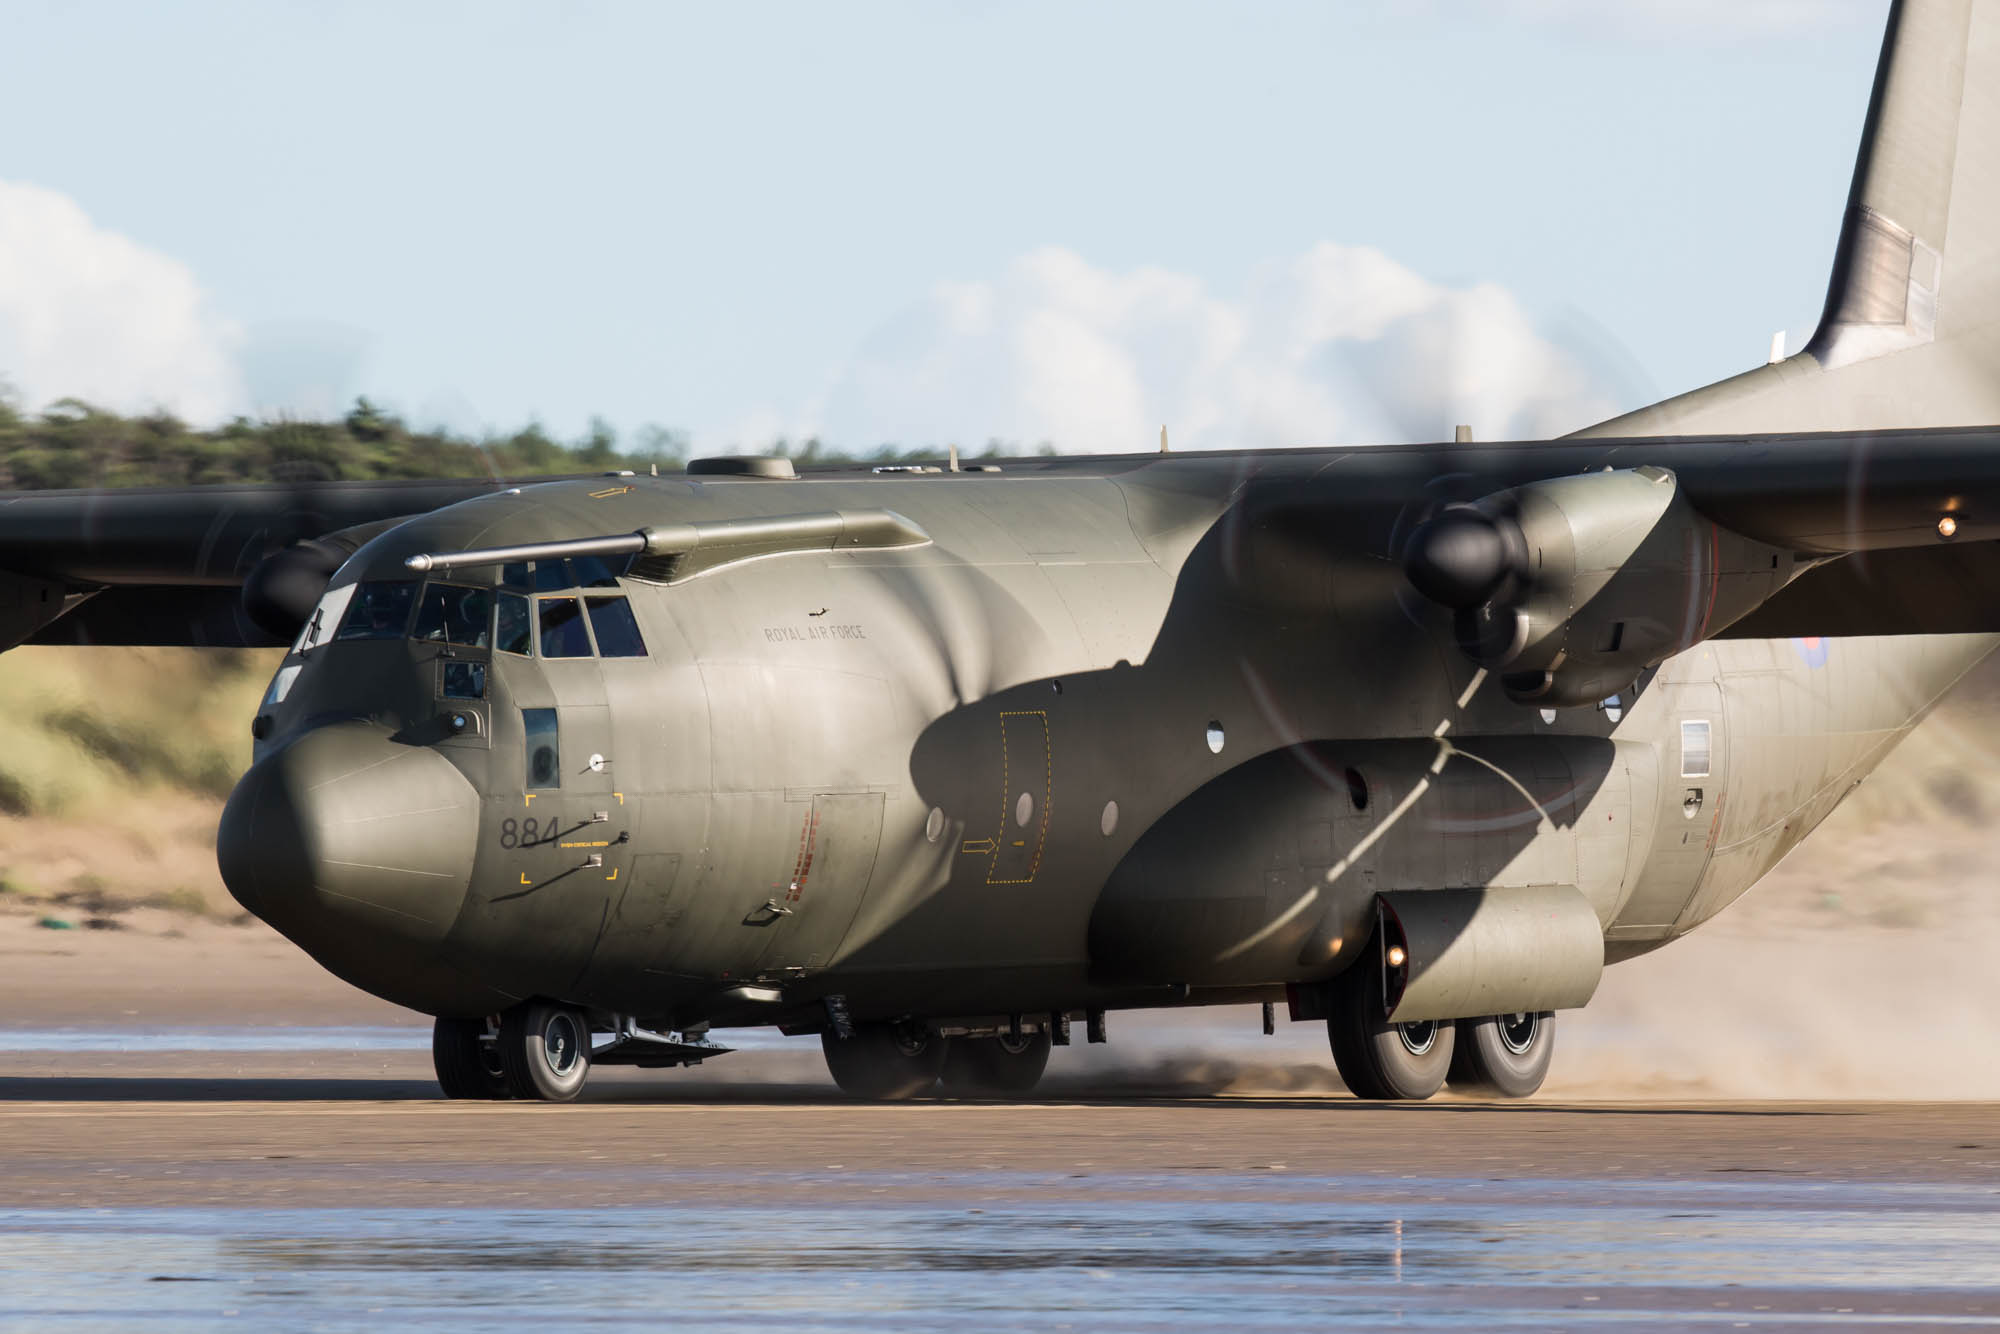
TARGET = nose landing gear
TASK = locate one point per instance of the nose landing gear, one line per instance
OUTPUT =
(466, 1055)
(545, 1051)
(539, 1050)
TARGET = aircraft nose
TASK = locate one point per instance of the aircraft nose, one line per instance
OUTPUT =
(351, 843)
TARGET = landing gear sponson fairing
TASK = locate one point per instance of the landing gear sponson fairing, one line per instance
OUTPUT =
(934, 763)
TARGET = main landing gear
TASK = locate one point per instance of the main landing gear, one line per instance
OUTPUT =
(885, 1062)
(1504, 1056)
(538, 1050)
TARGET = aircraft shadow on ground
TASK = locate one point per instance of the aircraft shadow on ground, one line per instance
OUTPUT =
(154, 1088)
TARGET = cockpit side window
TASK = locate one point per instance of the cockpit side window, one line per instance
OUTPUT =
(513, 632)
(450, 614)
(378, 611)
(325, 618)
(617, 632)
(563, 635)
(552, 576)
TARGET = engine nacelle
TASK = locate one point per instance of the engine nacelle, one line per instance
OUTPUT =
(284, 587)
(1571, 587)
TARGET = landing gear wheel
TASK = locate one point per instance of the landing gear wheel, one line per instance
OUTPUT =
(1503, 1055)
(997, 1067)
(1378, 1060)
(545, 1050)
(467, 1065)
(884, 1062)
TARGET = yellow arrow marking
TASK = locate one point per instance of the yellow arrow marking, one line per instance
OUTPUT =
(977, 845)
(609, 492)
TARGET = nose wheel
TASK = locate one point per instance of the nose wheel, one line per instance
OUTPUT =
(466, 1055)
(544, 1051)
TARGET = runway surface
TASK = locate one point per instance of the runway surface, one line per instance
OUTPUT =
(332, 1189)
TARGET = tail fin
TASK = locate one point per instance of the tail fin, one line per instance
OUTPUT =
(1911, 331)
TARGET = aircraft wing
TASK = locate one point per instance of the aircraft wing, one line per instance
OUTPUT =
(167, 565)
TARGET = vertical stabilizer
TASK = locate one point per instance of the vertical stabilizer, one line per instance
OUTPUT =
(1909, 334)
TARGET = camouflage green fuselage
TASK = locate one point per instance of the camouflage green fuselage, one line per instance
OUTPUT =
(1117, 739)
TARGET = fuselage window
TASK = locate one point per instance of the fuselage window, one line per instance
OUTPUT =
(512, 630)
(1695, 749)
(453, 615)
(544, 757)
(378, 611)
(617, 632)
(563, 635)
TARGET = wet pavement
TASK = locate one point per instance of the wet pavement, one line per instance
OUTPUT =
(193, 1180)
(1329, 1252)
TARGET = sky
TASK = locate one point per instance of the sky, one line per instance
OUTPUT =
(919, 224)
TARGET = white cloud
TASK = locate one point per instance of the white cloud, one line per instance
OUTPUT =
(1340, 345)
(86, 313)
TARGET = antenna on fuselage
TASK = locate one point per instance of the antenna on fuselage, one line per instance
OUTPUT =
(1462, 435)
(954, 458)
(1163, 439)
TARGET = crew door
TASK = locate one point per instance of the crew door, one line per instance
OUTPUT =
(808, 915)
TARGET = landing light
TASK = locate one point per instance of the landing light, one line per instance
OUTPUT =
(1947, 527)
(1396, 956)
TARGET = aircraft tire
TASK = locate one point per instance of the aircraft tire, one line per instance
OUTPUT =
(995, 1067)
(1381, 1061)
(884, 1062)
(467, 1066)
(545, 1050)
(1503, 1055)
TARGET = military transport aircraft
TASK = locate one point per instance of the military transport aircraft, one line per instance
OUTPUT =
(933, 762)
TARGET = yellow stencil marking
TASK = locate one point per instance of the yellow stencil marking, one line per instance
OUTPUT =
(525, 880)
(528, 799)
(609, 492)
(1000, 840)
(613, 875)
(620, 796)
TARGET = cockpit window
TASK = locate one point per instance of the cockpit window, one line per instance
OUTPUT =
(563, 635)
(512, 632)
(597, 572)
(319, 626)
(617, 632)
(378, 611)
(552, 576)
(450, 614)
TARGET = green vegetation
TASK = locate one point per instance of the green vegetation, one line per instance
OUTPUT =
(73, 444)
